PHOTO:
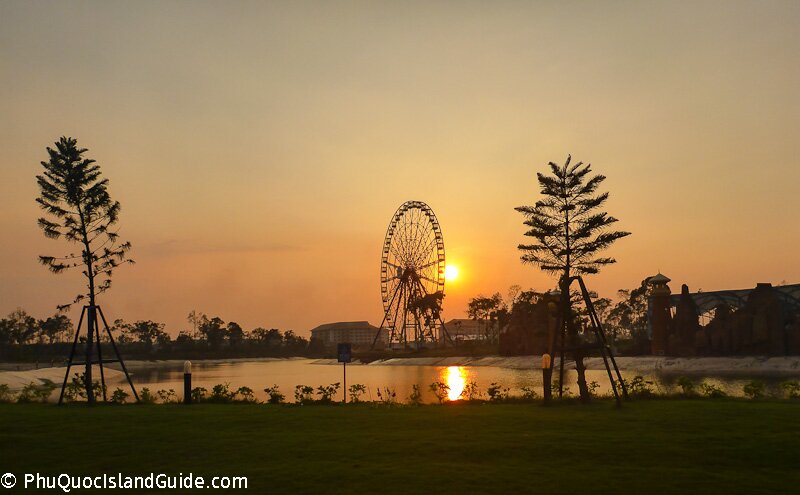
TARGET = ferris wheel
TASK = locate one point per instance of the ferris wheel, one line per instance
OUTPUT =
(412, 270)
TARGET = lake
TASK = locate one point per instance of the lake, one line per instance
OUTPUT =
(287, 373)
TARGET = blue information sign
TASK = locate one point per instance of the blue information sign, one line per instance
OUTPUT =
(345, 352)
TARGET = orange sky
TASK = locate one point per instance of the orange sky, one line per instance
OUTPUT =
(259, 150)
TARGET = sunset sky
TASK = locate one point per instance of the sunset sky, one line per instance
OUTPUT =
(260, 149)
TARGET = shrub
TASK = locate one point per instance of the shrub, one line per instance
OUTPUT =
(76, 388)
(302, 394)
(35, 393)
(791, 388)
(388, 397)
(440, 390)
(356, 391)
(326, 393)
(119, 396)
(593, 386)
(754, 389)
(712, 391)
(145, 397)
(5, 393)
(687, 386)
(557, 383)
(167, 396)
(528, 393)
(199, 394)
(275, 395)
(639, 387)
(470, 392)
(496, 392)
(221, 393)
(246, 395)
(415, 398)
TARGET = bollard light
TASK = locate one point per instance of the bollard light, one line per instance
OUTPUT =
(547, 373)
(187, 382)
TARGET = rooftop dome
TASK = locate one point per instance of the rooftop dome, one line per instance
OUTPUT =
(659, 278)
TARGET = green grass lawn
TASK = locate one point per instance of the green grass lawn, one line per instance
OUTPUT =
(657, 446)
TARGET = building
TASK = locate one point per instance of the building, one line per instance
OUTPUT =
(465, 329)
(358, 333)
(762, 321)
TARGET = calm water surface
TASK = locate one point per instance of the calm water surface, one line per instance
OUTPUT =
(289, 373)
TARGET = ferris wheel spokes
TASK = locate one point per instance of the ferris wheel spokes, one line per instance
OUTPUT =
(412, 268)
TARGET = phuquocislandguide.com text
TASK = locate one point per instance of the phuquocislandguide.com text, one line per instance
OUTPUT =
(67, 482)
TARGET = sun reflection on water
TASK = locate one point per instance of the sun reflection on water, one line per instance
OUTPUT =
(456, 379)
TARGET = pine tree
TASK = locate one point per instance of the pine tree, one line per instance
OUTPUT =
(569, 232)
(78, 207)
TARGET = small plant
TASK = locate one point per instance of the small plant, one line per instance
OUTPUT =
(76, 389)
(687, 386)
(528, 393)
(145, 397)
(497, 393)
(303, 393)
(790, 388)
(221, 393)
(119, 396)
(35, 393)
(388, 397)
(356, 391)
(326, 393)
(593, 386)
(275, 395)
(639, 387)
(246, 395)
(415, 399)
(712, 391)
(440, 390)
(167, 396)
(199, 394)
(557, 383)
(754, 389)
(5, 394)
(470, 392)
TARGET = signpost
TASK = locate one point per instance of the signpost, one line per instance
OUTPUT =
(344, 355)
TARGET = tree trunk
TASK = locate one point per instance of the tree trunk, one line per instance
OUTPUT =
(92, 313)
(586, 397)
(90, 317)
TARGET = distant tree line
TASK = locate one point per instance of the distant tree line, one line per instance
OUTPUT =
(25, 338)
(19, 328)
(624, 320)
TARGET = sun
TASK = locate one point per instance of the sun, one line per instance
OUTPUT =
(450, 272)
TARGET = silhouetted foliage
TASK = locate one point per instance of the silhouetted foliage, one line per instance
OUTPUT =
(56, 328)
(568, 232)
(78, 207)
(628, 318)
(146, 333)
(428, 307)
(492, 312)
(235, 333)
(18, 328)
(566, 226)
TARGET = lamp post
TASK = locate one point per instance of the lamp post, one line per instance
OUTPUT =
(547, 373)
(187, 382)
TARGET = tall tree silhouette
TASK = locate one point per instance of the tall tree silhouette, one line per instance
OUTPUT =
(569, 232)
(78, 207)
